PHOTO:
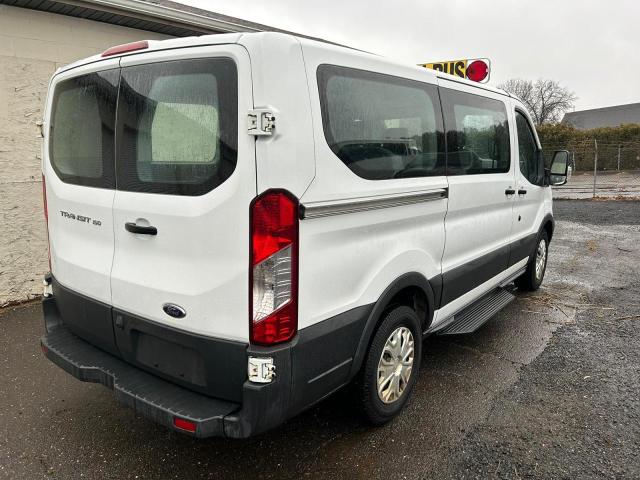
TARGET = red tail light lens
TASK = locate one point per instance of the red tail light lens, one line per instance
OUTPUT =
(273, 299)
(46, 217)
(477, 71)
(125, 48)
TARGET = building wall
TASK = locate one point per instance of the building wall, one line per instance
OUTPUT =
(32, 45)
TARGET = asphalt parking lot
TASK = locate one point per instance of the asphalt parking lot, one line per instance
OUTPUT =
(549, 388)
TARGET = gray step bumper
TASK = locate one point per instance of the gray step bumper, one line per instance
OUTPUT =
(147, 394)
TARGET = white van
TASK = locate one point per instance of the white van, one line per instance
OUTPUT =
(242, 224)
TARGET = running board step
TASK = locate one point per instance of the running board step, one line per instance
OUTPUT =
(475, 315)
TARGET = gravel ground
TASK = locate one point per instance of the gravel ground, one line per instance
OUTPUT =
(575, 411)
(549, 388)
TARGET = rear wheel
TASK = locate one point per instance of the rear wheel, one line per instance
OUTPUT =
(532, 278)
(391, 366)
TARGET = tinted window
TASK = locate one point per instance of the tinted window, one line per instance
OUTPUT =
(529, 157)
(477, 134)
(81, 139)
(177, 126)
(381, 127)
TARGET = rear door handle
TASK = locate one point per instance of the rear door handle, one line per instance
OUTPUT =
(142, 230)
(509, 191)
(522, 192)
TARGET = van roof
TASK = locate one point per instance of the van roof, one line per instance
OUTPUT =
(227, 38)
(154, 45)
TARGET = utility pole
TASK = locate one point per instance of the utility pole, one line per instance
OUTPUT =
(618, 157)
(595, 167)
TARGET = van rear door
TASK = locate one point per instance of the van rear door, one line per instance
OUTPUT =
(79, 175)
(186, 177)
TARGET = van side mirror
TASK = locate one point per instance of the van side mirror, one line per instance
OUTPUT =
(558, 173)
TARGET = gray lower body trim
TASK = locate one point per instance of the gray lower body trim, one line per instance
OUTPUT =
(323, 355)
(326, 209)
(466, 277)
(463, 279)
(511, 278)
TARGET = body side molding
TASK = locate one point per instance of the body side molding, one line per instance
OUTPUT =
(340, 207)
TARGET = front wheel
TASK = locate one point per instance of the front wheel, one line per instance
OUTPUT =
(532, 278)
(391, 366)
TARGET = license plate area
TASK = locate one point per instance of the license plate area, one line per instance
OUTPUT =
(168, 358)
(211, 366)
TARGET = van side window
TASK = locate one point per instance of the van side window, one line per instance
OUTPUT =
(82, 128)
(477, 134)
(528, 151)
(177, 126)
(382, 127)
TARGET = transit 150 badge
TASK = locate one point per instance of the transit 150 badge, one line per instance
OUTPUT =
(80, 218)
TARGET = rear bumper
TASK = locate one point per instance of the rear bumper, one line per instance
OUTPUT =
(263, 406)
(147, 394)
(314, 364)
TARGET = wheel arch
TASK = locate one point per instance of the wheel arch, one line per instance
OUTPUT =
(411, 289)
(549, 225)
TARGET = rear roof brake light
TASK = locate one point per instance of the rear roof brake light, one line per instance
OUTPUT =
(125, 48)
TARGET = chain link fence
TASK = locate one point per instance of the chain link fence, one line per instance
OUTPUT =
(601, 169)
(609, 156)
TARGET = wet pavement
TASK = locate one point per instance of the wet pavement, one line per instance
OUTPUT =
(549, 388)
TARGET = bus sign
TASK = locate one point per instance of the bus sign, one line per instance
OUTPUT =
(477, 69)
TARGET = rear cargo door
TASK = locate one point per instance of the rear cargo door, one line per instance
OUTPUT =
(185, 179)
(79, 176)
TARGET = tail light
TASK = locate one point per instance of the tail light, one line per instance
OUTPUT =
(273, 302)
(46, 217)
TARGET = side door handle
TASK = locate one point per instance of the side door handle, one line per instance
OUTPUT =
(522, 192)
(509, 191)
(142, 230)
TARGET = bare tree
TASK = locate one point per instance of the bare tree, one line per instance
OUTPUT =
(546, 100)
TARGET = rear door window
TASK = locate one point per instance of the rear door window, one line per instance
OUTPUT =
(382, 127)
(177, 126)
(477, 134)
(81, 138)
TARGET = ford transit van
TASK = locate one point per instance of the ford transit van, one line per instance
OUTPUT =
(241, 224)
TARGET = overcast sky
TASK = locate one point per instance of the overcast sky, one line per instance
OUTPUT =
(591, 47)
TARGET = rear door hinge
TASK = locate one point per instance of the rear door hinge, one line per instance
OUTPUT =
(261, 121)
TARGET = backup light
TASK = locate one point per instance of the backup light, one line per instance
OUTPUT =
(273, 299)
(125, 48)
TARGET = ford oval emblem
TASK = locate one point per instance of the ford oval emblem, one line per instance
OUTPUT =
(173, 310)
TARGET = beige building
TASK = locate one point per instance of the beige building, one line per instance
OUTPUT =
(36, 37)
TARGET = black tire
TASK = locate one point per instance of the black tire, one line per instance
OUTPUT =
(375, 410)
(529, 281)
